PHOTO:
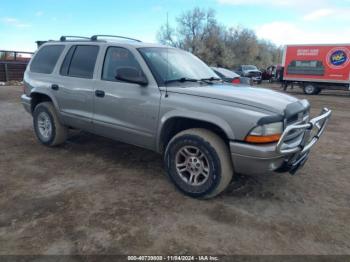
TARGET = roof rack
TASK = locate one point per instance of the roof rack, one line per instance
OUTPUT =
(95, 37)
(64, 37)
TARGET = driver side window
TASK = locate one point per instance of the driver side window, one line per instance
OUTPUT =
(117, 58)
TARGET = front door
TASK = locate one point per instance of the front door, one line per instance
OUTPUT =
(125, 111)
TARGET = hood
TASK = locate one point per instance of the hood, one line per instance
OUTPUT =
(252, 73)
(257, 97)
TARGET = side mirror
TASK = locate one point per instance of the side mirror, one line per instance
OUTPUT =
(131, 75)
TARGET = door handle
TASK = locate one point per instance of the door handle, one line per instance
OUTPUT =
(100, 93)
(54, 87)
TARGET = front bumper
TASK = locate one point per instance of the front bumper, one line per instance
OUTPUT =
(26, 102)
(256, 78)
(282, 156)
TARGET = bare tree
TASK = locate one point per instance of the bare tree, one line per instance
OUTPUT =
(166, 35)
(199, 32)
(243, 43)
(193, 27)
(214, 50)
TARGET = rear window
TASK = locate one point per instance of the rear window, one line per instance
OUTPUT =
(80, 61)
(45, 60)
(249, 67)
(226, 73)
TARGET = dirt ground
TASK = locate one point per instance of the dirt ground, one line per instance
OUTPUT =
(97, 196)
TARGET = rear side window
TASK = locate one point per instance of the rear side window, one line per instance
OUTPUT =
(45, 60)
(80, 61)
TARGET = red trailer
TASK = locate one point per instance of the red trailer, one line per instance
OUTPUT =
(317, 67)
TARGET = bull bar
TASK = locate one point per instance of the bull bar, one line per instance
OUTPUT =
(308, 141)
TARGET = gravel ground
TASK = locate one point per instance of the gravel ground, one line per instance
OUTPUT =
(97, 196)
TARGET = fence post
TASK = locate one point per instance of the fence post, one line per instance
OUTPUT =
(6, 73)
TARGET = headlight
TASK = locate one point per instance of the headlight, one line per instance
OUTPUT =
(268, 133)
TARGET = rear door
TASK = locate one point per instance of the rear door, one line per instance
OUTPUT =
(74, 85)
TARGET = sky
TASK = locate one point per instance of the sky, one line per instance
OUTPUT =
(22, 22)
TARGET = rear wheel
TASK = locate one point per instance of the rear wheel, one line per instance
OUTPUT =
(311, 89)
(48, 129)
(198, 162)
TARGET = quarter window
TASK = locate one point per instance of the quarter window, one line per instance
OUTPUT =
(66, 61)
(118, 57)
(45, 60)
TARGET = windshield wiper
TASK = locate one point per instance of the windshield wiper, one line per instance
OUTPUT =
(182, 80)
(186, 79)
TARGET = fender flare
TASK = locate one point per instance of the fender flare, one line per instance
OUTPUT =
(45, 91)
(205, 117)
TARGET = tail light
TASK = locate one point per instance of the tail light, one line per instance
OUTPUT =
(236, 80)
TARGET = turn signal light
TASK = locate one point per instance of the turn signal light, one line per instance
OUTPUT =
(263, 139)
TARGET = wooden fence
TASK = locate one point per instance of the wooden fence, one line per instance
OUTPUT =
(13, 64)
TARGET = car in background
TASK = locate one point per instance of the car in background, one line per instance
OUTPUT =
(250, 71)
(231, 77)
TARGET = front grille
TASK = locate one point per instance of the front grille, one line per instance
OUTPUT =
(297, 119)
(253, 74)
(292, 119)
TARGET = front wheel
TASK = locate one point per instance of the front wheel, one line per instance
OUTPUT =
(198, 162)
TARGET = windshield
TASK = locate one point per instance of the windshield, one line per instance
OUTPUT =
(249, 67)
(168, 64)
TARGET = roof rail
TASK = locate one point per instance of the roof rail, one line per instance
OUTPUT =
(95, 37)
(64, 37)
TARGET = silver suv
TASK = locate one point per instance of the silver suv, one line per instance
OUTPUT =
(167, 100)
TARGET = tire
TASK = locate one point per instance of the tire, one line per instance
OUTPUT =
(47, 127)
(310, 89)
(213, 161)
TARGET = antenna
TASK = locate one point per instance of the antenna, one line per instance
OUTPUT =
(167, 54)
